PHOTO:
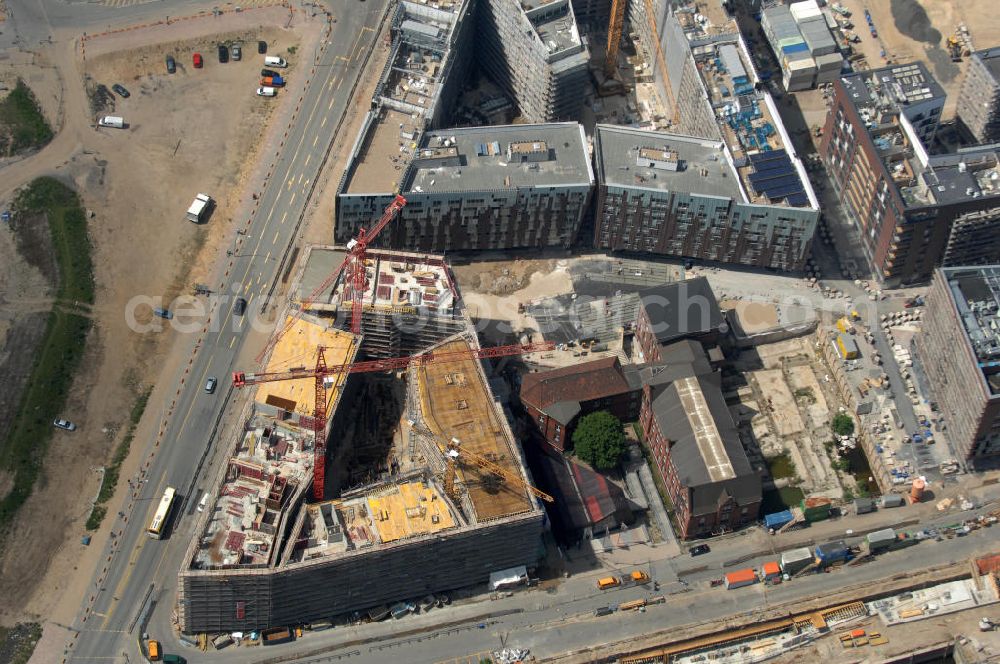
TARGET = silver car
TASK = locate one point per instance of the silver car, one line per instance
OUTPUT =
(64, 424)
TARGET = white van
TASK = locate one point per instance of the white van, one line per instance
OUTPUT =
(112, 121)
(203, 503)
(274, 61)
(266, 91)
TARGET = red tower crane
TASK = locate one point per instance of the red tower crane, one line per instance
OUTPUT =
(321, 371)
(353, 268)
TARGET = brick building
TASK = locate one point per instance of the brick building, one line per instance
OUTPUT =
(555, 400)
(914, 210)
(679, 310)
(695, 445)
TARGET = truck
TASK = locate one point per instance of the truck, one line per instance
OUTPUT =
(608, 582)
(634, 604)
(272, 81)
(199, 208)
(112, 121)
(832, 552)
(221, 641)
(638, 576)
(401, 609)
(276, 635)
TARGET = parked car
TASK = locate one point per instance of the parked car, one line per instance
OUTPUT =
(198, 62)
(239, 306)
(275, 61)
(266, 91)
(236, 52)
(262, 47)
(171, 65)
(700, 550)
(120, 89)
(269, 72)
(223, 54)
(211, 383)
(64, 424)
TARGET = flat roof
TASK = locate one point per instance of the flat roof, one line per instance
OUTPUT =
(897, 85)
(455, 402)
(298, 347)
(381, 164)
(485, 158)
(619, 162)
(991, 58)
(558, 32)
(975, 294)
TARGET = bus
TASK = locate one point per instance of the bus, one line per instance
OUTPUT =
(159, 523)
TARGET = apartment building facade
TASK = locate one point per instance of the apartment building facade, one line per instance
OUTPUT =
(959, 349)
(914, 211)
(979, 101)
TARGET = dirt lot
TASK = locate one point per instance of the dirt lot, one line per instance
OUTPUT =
(197, 130)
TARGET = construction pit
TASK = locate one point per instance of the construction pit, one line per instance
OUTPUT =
(422, 469)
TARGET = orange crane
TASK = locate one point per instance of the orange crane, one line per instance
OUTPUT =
(353, 268)
(321, 371)
(454, 453)
(614, 37)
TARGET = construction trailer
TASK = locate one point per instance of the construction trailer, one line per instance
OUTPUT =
(796, 560)
(740, 578)
(832, 552)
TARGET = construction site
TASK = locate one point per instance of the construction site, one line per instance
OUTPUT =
(373, 446)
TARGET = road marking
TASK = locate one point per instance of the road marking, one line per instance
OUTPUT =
(275, 240)
(331, 105)
(283, 217)
(291, 181)
(316, 139)
(232, 341)
(268, 257)
(246, 286)
(260, 275)
(292, 199)
(308, 157)
(323, 124)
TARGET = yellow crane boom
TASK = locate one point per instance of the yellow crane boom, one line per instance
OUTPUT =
(454, 451)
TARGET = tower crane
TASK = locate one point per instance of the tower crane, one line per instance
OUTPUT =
(321, 371)
(454, 454)
(614, 41)
(353, 269)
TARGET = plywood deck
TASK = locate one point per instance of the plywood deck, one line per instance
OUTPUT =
(409, 509)
(457, 403)
(298, 348)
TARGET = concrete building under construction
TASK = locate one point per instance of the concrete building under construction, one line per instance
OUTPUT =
(398, 520)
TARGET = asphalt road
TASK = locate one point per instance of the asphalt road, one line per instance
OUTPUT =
(550, 623)
(140, 561)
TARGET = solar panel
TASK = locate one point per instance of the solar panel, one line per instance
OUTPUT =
(769, 169)
(774, 183)
(798, 199)
(781, 192)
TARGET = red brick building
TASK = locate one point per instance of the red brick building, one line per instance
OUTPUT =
(695, 445)
(556, 399)
(675, 311)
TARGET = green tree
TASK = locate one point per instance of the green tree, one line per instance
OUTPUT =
(843, 424)
(599, 440)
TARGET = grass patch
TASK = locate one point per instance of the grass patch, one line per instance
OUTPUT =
(112, 472)
(805, 393)
(777, 500)
(23, 127)
(781, 466)
(22, 452)
(18, 643)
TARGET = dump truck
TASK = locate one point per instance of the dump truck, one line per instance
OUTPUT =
(276, 635)
(272, 81)
(199, 207)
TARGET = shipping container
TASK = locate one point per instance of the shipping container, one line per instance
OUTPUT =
(891, 500)
(740, 578)
(795, 560)
(770, 570)
(880, 540)
(805, 9)
(816, 509)
(864, 505)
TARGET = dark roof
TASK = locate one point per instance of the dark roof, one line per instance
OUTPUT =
(586, 498)
(559, 392)
(704, 445)
(681, 309)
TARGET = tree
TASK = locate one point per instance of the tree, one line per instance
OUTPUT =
(599, 440)
(843, 424)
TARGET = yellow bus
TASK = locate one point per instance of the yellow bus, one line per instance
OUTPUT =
(157, 526)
